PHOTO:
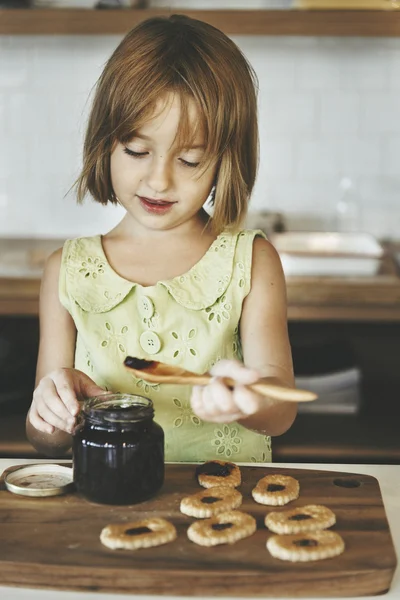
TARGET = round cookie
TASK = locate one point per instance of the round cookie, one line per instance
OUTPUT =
(225, 528)
(276, 490)
(138, 534)
(218, 473)
(304, 547)
(210, 502)
(312, 517)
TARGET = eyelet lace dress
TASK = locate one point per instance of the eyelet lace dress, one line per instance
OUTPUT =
(191, 321)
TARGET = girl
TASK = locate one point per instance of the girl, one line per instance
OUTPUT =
(173, 123)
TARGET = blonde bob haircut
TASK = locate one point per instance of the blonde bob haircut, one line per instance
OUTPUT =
(199, 63)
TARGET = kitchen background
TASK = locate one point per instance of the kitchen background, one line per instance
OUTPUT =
(329, 131)
(328, 109)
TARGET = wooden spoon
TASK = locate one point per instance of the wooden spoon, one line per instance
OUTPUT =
(157, 372)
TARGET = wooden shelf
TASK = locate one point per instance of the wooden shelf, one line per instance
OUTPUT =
(233, 22)
(364, 439)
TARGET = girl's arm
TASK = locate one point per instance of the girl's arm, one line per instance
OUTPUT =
(51, 417)
(266, 353)
(265, 340)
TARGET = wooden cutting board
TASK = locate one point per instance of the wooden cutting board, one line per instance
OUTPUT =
(54, 543)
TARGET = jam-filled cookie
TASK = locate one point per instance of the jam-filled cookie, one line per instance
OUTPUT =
(276, 490)
(305, 518)
(218, 473)
(138, 534)
(225, 528)
(208, 503)
(303, 547)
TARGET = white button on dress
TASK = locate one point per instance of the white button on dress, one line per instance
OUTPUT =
(150, 342)
(146, 307)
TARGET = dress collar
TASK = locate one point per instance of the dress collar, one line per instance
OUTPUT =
(96, 287)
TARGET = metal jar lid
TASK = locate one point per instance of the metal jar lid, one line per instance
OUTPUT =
(43, 479)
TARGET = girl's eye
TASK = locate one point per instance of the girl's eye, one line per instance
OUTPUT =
(189, 164)
(133, 153)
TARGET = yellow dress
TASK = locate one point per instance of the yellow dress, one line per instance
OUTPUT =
(191, 321)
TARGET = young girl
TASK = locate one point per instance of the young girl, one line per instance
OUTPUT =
(173, 124)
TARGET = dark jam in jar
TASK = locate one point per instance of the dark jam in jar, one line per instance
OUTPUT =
(118, 450)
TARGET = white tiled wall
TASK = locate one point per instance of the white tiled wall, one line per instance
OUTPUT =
(329, 107)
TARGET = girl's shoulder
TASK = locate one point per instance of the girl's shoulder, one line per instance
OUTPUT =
(81, 247)
(87, 278)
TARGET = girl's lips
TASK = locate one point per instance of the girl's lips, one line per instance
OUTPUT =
(155, 206)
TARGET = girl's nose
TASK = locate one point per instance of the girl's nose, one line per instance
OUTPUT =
(159, 175)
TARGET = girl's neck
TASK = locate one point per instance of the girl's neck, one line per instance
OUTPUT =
(147, 256)
(128, 229)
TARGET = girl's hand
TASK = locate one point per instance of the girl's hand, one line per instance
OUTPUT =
(217, 403)
(55, 400)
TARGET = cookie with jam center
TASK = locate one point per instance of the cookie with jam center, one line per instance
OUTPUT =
(225, 528)
(138, 534)
(218, 473)
(210, 502)
(312, 517)
(276, 490)
(304, 547)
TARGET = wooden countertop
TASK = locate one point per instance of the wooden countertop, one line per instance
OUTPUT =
(21, 268)
(309, 298)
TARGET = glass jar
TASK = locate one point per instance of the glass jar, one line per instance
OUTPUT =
(118, 450)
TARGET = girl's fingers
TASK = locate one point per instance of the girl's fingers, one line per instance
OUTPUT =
(65, 390)
(47, 414)
(220, 396)
(216, 417)
(38, 423)
(204, 404)
(51, 408)
(215, 403)
(245, 400)
(235, 370)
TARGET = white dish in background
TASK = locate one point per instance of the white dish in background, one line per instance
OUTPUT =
(328, 253)
(338, 393)
(64, 3)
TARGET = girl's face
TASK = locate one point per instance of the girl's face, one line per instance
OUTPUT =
(160, 184)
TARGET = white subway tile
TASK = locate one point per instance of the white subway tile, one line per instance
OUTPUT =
(380, 192)
(288, 114)
(14, 62)
(3, 117)
(21, 217)
(28, 114)
(339, 112)
(316, 159)
(273, 62)
(393, 43)
(364, 64)
(391, 156)
(13, 157)
(380, 113)
(296, 196)
(394, 70)
(318, 70)
(382, 223)
(54, 156)
(360, 155)
(276, 157)
(52, 63)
